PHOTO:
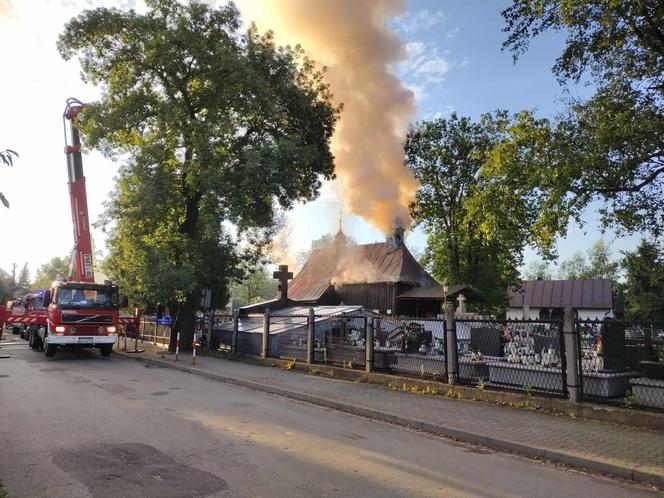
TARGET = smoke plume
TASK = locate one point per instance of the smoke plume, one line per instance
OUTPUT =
(350, 38)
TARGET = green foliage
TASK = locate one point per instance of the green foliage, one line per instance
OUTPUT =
(466, 243)
(24, 277)
(538, 270)
(644, 286)
(7, 158)
(573, 267)
(257, 285)
(6, 290)
(609, 147)
(55, 269)
(221, 126)
(599, 264)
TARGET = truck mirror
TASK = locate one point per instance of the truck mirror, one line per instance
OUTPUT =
(47, 298)
(125, 302)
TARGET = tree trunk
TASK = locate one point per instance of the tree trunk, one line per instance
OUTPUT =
(185, 325)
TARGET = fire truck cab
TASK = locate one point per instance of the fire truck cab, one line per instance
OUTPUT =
(80, 315)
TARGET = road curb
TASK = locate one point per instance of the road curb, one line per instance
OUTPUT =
(633, 474)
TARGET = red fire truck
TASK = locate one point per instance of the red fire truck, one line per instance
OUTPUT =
(80, 312)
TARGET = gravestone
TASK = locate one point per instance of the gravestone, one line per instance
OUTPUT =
(485, 340)
(613, 345)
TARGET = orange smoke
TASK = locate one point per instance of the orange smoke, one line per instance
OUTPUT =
(351, 39)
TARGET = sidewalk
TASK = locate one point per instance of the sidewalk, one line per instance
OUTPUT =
(627, 452)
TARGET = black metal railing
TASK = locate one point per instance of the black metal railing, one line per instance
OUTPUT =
(621, 362)
(341, 340)
(410, 346)
(525, 355)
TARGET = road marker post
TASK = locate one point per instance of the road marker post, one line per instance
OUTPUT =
(177, 347)
(193, 351)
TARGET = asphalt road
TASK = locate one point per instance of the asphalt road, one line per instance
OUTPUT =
(82, 425)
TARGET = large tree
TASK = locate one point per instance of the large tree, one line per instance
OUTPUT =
(56, 269)
(644, 286)
(221, 125)
(446, 156)
(610, 148)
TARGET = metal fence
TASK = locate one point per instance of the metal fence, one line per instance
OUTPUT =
(512, 354)
(289, 332)
(410, 346)
(621, 362)
(618, 362)
(340, 340)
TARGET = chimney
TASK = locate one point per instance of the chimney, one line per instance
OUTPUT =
(394, 241)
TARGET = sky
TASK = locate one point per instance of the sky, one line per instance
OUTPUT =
(454, 63)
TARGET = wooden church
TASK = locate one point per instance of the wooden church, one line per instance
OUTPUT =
(368, 275)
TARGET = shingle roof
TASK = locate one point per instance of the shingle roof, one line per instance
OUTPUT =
(582, 294)
(367, 263)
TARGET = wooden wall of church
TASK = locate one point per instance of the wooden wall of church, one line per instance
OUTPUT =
(379, 296)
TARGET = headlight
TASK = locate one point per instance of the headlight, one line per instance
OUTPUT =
(111, 330)
(60, 328)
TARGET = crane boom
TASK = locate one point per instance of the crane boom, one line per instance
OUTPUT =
(82, 252)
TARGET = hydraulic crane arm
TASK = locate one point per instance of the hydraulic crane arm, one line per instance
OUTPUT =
(82, 253)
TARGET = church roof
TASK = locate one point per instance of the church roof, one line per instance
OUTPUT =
(367, 263)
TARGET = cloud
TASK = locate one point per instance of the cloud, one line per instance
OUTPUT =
(452, 33)
(426, 62)
(419, 21)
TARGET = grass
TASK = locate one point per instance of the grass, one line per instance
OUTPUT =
(3, 491)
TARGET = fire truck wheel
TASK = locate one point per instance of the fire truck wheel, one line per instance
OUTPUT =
(106, 349)
(33, 340)
(50, 349)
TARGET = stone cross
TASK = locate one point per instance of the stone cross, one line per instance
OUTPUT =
(283, 275)
(462, 304)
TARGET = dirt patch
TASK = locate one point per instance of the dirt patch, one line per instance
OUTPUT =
(134, 469)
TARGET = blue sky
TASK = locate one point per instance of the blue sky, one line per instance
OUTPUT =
(483, 78)
(455, 63)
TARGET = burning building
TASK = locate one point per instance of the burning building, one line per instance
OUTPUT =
(369, 275)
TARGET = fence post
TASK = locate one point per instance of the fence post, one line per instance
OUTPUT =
(236, 322)
(311, 323)
(571, 343)
(265, 350)
(369, 344)
(209, 336)
(451, 342)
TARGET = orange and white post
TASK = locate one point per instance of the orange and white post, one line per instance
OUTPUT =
(193, 351)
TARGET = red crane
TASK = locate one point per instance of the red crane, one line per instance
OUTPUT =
(77, 313)
(82, 252)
